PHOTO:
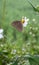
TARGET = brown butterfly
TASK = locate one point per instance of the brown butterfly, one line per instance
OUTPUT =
(18, 25)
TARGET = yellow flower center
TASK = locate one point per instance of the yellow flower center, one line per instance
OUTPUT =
(22, 21)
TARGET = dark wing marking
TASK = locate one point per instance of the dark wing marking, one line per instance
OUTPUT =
(18, 25)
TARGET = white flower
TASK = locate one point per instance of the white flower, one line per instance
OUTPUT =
(1, 31)
(18, 63)
(33, 19)
(30, 33)
(30, 27)
(8, 64)
(26, 22)
(23, 49)
(4, 50)
(1, 45)
(28, 43)
(1, 34)
(13, 51)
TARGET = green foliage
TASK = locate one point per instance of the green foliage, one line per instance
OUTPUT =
(19, 48)
(36, 8)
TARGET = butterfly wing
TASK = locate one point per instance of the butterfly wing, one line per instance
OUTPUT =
(18, 25)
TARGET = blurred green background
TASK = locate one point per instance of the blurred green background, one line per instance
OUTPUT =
(17, 43)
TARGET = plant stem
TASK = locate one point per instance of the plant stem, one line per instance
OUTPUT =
(4, 8)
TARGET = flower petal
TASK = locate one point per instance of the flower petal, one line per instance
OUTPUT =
(1, 30)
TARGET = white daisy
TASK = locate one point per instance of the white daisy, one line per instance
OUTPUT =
(1, 34)
(1, 31)
(26, 22)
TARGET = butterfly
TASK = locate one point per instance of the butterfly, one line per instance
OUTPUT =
(19, 24)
